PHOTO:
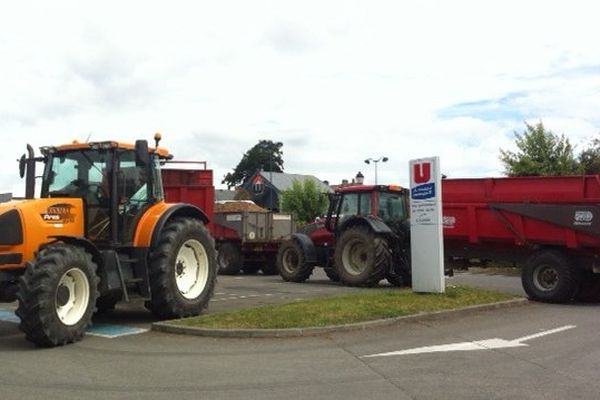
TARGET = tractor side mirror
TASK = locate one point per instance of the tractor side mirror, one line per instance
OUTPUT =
(142, 157)
(22, 166)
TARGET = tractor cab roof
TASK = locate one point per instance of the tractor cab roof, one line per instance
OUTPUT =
(162, 152)
(370, 188)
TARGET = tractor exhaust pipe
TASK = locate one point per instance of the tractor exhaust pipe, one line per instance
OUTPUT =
(30, 177)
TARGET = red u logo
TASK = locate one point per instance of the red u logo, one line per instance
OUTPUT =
(422, 172)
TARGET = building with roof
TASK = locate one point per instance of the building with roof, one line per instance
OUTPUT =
(265, 187)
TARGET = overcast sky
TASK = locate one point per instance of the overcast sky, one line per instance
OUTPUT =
(335, 81)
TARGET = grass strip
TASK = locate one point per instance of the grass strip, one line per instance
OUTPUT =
(363, 306)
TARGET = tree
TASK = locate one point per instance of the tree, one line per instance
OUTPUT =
(304, 200)
(266, 155)
(589, 159)
(541, 152)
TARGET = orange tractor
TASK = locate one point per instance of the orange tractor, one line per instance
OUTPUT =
(100, 233)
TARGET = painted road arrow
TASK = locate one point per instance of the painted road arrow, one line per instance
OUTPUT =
(489, 344)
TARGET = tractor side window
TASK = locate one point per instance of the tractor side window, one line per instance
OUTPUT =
(348, 207)
(63, 172)
(365, 204)
(132, 182)
(132, 194)
(391, 207)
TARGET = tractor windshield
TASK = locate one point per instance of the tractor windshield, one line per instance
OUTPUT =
(391, 207)
(79, 173)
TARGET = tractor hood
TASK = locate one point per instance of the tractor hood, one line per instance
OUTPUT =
(25, 225)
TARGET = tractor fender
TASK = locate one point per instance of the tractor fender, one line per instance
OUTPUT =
(375, 224)
(308, 247)
(176, 210)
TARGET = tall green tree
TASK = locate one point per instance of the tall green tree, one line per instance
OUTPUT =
(540, 152)
(266, 155)
(589, 158)
(304, 200)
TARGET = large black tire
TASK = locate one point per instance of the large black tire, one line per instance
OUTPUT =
(230, 258)
(57, 295)
(332, 274)
(400, 274)
(549, 277)
(361, 257)
(183, 270)
(291, 262)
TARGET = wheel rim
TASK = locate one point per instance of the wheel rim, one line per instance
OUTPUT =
(72, 296)
(545, 278)
(355, 257)
(290, 261)
(191, 269)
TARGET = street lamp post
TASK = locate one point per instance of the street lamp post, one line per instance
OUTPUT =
(376, 161)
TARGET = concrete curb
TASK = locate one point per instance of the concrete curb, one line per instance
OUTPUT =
(169, 327)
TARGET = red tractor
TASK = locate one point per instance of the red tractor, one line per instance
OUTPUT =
(365, 238)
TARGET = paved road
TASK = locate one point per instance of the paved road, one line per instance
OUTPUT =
(159, 366)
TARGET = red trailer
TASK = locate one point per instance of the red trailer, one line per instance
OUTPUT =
(247, 240)
(550, 225)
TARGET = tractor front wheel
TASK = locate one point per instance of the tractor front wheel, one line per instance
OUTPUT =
(57, 295)
(361, 257)
(183, 270)
(291, 262)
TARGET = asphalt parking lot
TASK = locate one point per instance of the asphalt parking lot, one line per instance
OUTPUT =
(536, 351)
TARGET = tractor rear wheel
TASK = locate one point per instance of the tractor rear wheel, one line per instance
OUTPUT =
(230, 258)
(183, 270)
(57, 295)
(291, 262)
(361, 257)
(548, 276)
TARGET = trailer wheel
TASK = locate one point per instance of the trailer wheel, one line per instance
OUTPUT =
(57, 295)
(230, 258)
(183, 270)
(362, 258)
(547, 276)
(291, 262)
(332, 274)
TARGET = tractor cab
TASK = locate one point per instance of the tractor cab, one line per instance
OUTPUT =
(388, 203)
(117, 183)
